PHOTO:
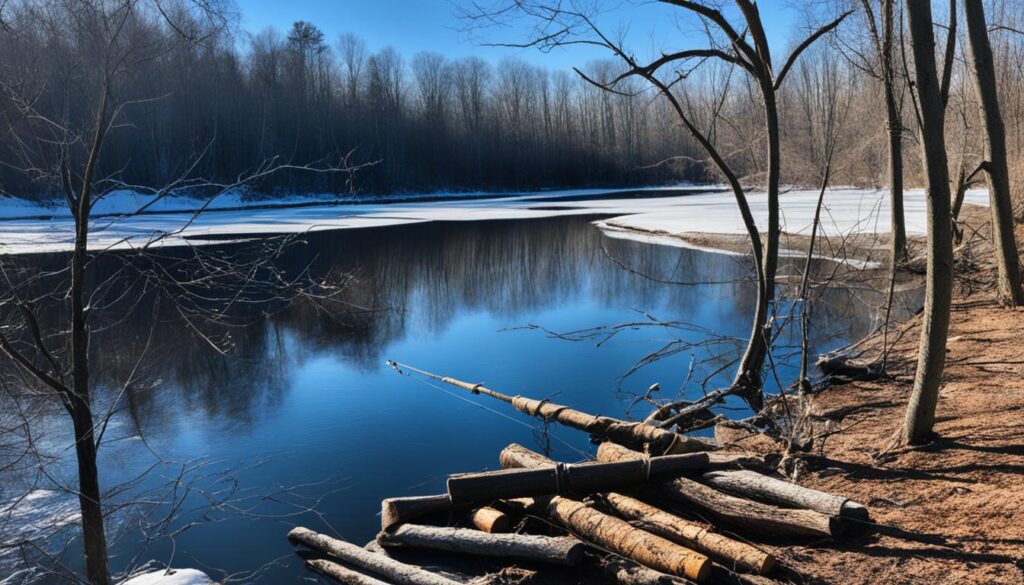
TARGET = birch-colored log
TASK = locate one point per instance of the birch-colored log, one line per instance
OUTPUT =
(388, 568)
(563, 550)
(742, 513)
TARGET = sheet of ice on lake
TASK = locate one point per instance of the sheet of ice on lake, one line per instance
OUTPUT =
(846, 210)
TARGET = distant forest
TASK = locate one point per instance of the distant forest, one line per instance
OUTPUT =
(205, 99)
(228, 104)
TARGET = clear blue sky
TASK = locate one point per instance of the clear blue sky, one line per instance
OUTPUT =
(417, 25)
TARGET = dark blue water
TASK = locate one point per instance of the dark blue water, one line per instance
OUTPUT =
(305, 413)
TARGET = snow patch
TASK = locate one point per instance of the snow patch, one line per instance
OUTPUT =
(170, 577)
(844, 211)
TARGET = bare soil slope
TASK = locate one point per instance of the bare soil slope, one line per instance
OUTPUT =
(955, 508)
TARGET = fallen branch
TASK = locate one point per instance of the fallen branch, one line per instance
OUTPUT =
(579, 479)
(753, 516)
(640, 435)
(395, 511)
(776, 491)
(565, 551)
(394, 571)
(616, 535)
(341, 574)
(690, 534)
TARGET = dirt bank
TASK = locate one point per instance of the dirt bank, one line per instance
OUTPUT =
(956, 507)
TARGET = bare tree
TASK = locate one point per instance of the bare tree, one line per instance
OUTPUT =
(995, 164)
(561, 24)
(931, 361)
(67, 154)
(881, 28)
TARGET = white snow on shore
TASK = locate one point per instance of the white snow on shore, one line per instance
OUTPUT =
(170, 577)
(693, 210)
(844, 211)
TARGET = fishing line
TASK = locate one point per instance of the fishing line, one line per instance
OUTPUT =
(499, 413)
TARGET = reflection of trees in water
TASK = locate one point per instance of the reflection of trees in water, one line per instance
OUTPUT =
(411, 278)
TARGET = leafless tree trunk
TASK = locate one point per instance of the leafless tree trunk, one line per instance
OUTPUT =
(883, 41)
(931, 361)
(1000, 204)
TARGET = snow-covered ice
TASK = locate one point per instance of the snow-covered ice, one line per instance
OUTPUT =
(170, 577)
(844, 211)
(694, 210)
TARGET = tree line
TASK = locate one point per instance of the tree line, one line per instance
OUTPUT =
(218, 103)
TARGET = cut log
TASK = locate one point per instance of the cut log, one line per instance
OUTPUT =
(656, 521)
(392, 570)
(341, 574)
(395, 511)
(739, 555)
(610, 532)
(565, 551)
(719, 460)
(628, 573)
(491, 521)
(617, 536)
(776, 491)
(635, 434)
(747, 514)
(581, 478)
(722, 576)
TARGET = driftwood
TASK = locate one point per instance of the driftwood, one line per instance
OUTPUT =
(341, 574)
(735, 554)
(841, 369)
(610, 532)
(776, 491)
(392, 570)
(635, 434)
(395, 511)
(659, 522)
(719, 460)
(580, 479)
(544, 549)
(490, 520)
(617, 536)
(628, 573)
(754, 516)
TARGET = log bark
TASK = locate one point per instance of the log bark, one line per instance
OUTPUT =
(582, 478)
(565, 551)
(690, 534)
(694, 535)
(619, 537)
(746, 514)
(776, 491)
(600, 528)
(718, 460)
(395, 511)
(491, 521)
(392, 570)
(341, 574)
(628, 573)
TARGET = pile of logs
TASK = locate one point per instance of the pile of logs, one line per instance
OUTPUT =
(681, 516)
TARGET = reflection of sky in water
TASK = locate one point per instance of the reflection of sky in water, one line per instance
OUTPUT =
(314, 399)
